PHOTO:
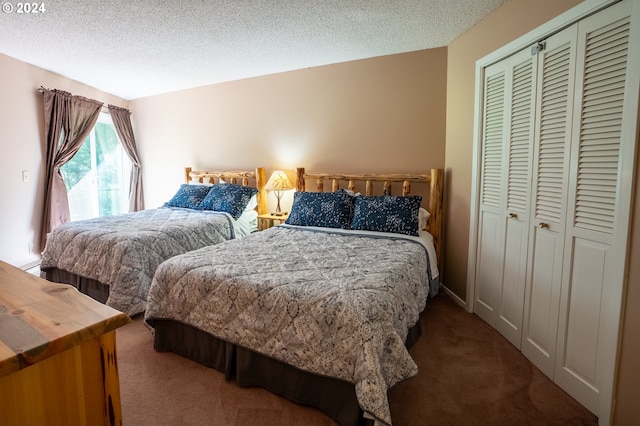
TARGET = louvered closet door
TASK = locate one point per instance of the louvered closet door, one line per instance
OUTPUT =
(519, 139)
(556, 70)
(603, 149)
(505, 187)
(491, 220)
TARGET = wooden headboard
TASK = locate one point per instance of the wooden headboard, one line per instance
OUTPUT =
(436, 192)
(235, 177)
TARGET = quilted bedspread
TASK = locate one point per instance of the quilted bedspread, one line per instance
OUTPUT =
(330, 304)
(124, 251)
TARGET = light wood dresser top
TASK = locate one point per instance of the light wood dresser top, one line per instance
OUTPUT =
(39, 319)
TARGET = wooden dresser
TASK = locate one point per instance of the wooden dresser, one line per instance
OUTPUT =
(57, 354)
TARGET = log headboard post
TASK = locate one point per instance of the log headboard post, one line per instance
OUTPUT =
(300, 183)
(261, 182)
(436, 203)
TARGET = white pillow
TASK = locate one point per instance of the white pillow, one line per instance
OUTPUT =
(195, 182)
(246, 223)
(253, 203)
(423, 218)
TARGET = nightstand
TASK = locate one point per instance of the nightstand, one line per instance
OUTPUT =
(267, 220)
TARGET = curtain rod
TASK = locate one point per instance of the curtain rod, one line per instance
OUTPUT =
(41, 89)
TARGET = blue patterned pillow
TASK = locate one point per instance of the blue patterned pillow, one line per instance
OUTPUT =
(188, 196)
(326, 209)
(229, 198)
(386, 213)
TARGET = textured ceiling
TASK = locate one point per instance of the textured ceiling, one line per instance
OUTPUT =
(136, 48)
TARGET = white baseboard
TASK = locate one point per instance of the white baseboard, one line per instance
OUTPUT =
(30, 265)
(455, 297)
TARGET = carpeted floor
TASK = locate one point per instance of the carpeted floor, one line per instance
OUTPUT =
(469, 375)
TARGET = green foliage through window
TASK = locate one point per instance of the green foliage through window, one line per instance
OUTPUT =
(97, 176)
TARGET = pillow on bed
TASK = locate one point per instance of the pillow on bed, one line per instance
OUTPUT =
(387, 213)
(423, 218)
(229, 198)
(188, 196)
(252, 204)
(325, 209)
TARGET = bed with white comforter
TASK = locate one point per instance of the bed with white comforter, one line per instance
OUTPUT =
(122, 252)
(333, 303)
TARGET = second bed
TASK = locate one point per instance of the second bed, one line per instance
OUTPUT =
(113, 259)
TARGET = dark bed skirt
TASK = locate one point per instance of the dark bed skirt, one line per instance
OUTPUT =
(92, 288)
(334, 397)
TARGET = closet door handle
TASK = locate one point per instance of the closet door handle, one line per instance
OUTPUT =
(513, 216)
(543, 225)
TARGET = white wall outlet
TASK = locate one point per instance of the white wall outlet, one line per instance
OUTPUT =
(25, 176)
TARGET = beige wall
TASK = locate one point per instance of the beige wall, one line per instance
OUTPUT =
(507, 23)
(385, 114)
(22, 148)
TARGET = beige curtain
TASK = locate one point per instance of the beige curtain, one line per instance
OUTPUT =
(67, 121)
(122, 122)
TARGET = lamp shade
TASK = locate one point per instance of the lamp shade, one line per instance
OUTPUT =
(278, 182)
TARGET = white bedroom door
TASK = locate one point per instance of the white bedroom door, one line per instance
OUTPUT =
(520, 109)
(504, 211)
(491, 219)
(600, 190)
(554, 106)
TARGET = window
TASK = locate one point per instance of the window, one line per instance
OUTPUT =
(97, 177)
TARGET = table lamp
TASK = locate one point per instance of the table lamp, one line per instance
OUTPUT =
(278, 182)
